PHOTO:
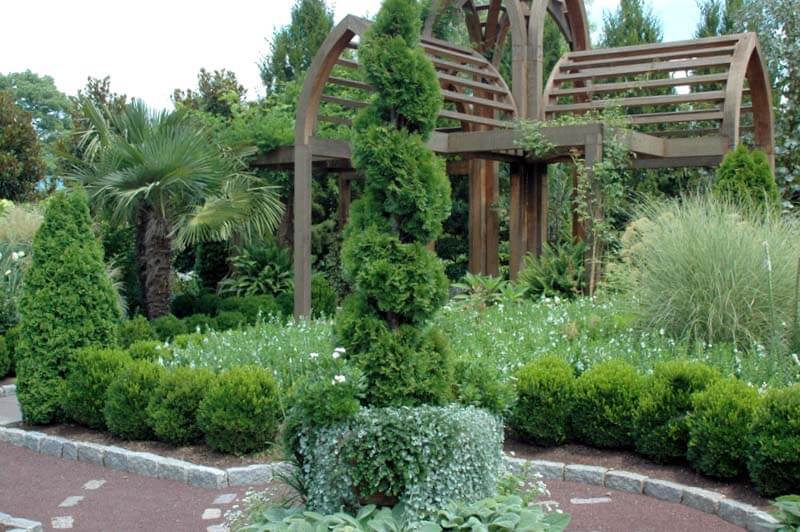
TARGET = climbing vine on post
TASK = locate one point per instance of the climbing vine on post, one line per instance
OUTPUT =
(397, 282)
(600, 188)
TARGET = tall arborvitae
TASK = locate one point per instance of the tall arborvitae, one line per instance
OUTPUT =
(632, 23)
(397, 282)
(67, 303)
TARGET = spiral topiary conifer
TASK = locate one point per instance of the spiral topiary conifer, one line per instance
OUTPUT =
(397, 282)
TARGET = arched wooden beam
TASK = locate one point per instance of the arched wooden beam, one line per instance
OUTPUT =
(747, 64)
(519, 31)
(307, 112)
(579, 24)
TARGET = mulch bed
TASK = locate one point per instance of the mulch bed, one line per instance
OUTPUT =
(628, 461)
(196, 454)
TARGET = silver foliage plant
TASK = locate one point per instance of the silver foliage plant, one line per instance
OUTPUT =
(448, 453)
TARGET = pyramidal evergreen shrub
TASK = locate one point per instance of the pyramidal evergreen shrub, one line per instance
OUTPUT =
(746, 178)
(67, 303)
(397, 282)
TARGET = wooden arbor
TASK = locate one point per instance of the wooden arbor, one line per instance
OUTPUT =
(690, 102)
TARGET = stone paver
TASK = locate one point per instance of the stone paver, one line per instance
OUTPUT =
(9, 410)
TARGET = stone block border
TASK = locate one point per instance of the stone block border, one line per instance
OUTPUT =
(143, 464)
(710, 502)
(151, 465)
(8, 389)
(16, 524)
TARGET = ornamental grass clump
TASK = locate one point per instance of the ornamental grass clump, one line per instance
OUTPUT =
(67, 303)
(397, 282)
(706, 270)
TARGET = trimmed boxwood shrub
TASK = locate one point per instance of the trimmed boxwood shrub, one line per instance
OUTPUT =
(420, 457)
(127, 397)
(67, 303)
(240, 412)
(91, 372)
(545, 398)
(230, 320)
(135, 330)
(719, 427)
(201, 323)
(252, 307)
(5, 358)
(168, 327)
(173, 406)
(184, 305)
(774, 462)
(207, 303)
(150, 351)
(483, 385)
(661, 431)
(606, 397)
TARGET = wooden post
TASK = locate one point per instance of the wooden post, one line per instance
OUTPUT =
(345, 198)
(492, 220)
(593, 153)
(303, 168)
(477, 227)
(516, 219)
(578, 229)
(536, 208)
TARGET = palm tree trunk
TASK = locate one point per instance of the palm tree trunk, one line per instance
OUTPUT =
(154, 260)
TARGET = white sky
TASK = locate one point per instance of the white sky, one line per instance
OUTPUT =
(151, 47)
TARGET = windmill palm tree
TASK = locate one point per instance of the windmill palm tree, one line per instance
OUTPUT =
(164, 175)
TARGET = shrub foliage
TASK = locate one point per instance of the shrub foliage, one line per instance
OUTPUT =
(606, 398)
(661, 430)
(91, 372)
(240, 412)
(67, 303)
(125, 410)
(397, 283)
(719, 426)
(172, 409)
(546, 394)
(774, 462)
(746, 178)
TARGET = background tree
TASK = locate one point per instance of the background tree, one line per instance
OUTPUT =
(217, 93)
(67, 303)
(398, 283)
(39, 96)
(718, 17)
(21, 164)
(164, 176)
(777, 23)
(633, 22)
(293, 47)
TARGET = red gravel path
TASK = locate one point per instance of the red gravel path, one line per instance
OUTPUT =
(33, 485)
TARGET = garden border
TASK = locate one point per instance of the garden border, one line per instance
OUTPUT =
(152, 465)
(8, 390)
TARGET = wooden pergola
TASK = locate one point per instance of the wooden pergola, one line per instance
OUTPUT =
(688, 103)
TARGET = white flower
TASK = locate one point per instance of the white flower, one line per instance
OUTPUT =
(796, 359)
(339, 379)
(662, 332)
(8, 272)
(336, 355)
(15, 256)
(313, 356)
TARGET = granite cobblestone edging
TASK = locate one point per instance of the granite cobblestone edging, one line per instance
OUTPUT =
(710, 502)
(152, 465)
(16, 524)
(8, 390)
